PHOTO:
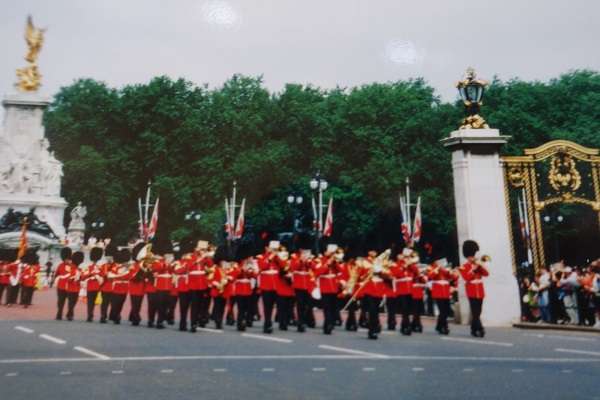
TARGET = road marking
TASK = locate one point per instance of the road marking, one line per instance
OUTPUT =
(335, 357)
(91, 353)
(591, 353)
(418, 369)
(477, 341)
(517, 370)
(265, 337)
(351, 351)
(117, 372)
(12, 374)
(368, 369)
(564, 337)
(468, 369)
(65, 373)
(567, 371)
(220, 370)
(23, 329)
(319, 369)
(211, 330)
(166, 371)
(268, 370)
(52, 339)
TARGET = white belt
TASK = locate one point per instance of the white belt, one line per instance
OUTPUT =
(301, 272)
(476, 281)
(243, 280)
(197, 273)
(270, 272)
(328, 276)
(403, 280)
(441, 282)
(163, 275)
(419, 285)
(377, 279)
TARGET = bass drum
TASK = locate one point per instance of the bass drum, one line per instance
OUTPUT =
(316, 293)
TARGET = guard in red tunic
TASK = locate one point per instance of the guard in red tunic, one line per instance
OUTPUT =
(73, 284)
(285, 291)
(348, 276)
(326, 272)
(4, 273)
(180, 272)
(63, 271)
(120, 273)
(301, 265)
(246, 270)
(197, 268)
(220, 278)
(417, 293)
(441, 277)
(163, 281)
(29, 277)
(404, 271)
(91, 277)
(14, 278)
(472, 272)
(269, 265)
(373, 277)
(106, 288)
(138, 271)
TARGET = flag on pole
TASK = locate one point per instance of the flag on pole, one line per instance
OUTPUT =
(239, 227)
(404, 226)
(153, 226)
(417, 231)
(228, 223)
(142, 224)
(524, 225)
(328, 229)
(23, 240)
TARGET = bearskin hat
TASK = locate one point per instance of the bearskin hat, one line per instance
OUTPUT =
(136, 249)
(470, 248)
(77, 257)
(122, 256)
(96, 254)
(66, 253)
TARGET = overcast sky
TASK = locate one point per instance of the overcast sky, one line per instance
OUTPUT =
(323, 42)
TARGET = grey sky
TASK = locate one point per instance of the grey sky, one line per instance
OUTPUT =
(323, 42)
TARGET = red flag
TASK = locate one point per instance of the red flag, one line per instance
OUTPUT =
(417, 231)
(153, 226)
(228, 221)
(404, 227)
(328, 229)
(23, 240)
(239, 228)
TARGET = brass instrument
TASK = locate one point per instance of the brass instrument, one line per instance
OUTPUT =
(380, 265)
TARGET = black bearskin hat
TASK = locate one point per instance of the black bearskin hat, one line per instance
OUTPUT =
(66, 253)
(470, 248)
(136, 249)
(96, 254)
(77, 257)
(122, 256)
(111, 250)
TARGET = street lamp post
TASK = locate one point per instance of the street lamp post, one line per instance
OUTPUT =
(554, 219)
(471, 92)
(294, 201)
(318, 184)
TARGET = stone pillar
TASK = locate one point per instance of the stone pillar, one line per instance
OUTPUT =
(481, 215)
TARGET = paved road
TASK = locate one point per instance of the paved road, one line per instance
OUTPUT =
(68, 360)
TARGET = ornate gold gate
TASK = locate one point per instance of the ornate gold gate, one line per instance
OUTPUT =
(556, 172)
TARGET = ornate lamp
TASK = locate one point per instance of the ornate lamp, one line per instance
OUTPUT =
(471, 92)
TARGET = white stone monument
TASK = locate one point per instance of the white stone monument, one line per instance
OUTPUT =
(76, 230)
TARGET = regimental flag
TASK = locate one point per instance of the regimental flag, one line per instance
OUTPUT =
(328, 229)
(142, 226)
(23, 240)
(417, 231)
(524, 226)
(241, 222)
(404, 227)
(153, 226)
(228, 222)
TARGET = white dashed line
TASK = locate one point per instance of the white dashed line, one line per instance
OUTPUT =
(65, 373)
(10, 374)
(567, 371)
(352, 351)
(23, 329)
(563, 337)
(319, 369)
(418, 369)
(117, 372)
(210, 330)
(468, 370)
(265, 337)
(220, 370)
(590, 353)
(368, 369)
(52, 339)
(91, 353)
(268, 370)
(166, 371)
(477, 341)
(517, 370)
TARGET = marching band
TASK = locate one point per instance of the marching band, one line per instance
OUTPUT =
(208, 285)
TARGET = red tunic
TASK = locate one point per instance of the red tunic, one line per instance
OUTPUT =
(107, 282)
(73, 285)
(242, 284)
(29, 275)
(196, 269)
(92, 276)
(63, 271)
(4, 273)
(441, 282)
(269, 265)
(121, 280)
(403, 276)
(180, 269)
(327, 276)
(163, 278)
(136, 286)
(220, 284)
(473, 275)
(375, 286)
(301, 273)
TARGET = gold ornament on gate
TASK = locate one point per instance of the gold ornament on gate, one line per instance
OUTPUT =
(516, 177)
(29, 76)
(563, 175)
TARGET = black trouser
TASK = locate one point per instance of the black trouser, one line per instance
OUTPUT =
(152, 307)
(205, 301)
(285, 306)
(416, 309)
(404, 303)
(253, 306)
(351, 310)
(13, 294)
(171, 304)
(116, 306)
(198, 300)
(329, 302)
(269, 298)
(372, 309)
(303, 306)
(136, 307)
(91, 303)
(72, 298)
(106, 302)
(476, 305)
(184, 305)
(244, 316)
(27, 295)
(391, 305)
(2, 287)
(61, 296)
(444, 311)
(163, 298)
(218, 310)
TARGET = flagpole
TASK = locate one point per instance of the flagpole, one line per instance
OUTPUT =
(141, 223)
(527, 231)
(145, 222)
(408, 205)
(232, 205)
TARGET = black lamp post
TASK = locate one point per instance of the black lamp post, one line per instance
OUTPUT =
(294, 201)
(554, 219)
(471, 92)
(318, 184)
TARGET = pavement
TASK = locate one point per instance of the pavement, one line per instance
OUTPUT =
(43, 358)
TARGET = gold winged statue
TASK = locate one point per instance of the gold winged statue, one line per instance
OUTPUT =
(29, 76)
